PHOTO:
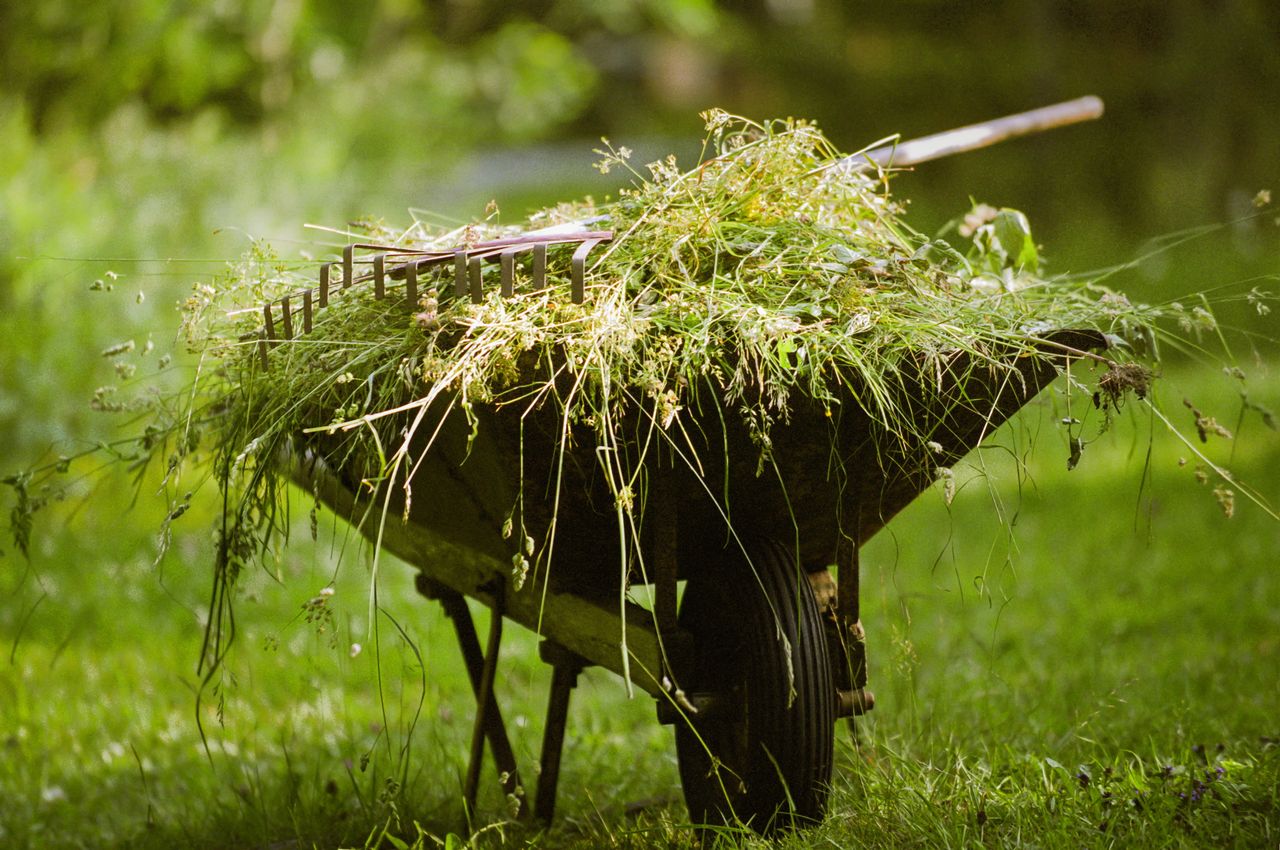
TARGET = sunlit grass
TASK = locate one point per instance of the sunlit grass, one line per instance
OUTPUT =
(1130, 638)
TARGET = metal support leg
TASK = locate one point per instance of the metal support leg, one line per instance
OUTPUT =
(564, 677)
(495, 730)
(665, 547)
(851, 681)
(483, 701)
(847, 608)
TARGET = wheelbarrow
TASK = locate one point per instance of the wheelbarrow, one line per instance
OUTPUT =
(764, 650)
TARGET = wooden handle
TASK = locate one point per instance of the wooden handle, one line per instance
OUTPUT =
(976, 135)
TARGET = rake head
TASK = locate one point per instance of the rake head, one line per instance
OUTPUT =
(406, 264)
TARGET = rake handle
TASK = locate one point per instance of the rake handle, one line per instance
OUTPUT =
(977, 136)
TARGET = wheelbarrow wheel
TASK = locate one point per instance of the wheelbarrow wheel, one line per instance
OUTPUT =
(763, 755)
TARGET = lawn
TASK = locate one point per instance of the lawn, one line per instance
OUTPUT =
(1060, 658)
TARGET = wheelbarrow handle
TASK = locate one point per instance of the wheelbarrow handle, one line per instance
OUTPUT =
(974, 136)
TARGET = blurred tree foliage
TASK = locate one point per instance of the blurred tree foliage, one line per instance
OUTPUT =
(1187, 81)
(74, 64)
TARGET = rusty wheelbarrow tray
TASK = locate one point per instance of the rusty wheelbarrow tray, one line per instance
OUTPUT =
(764, 651)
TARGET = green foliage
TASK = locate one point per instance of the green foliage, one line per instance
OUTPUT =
(493, 71)
(1002, 239)
(72, 62)
(250, 60)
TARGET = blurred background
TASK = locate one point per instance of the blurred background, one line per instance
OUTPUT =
(144, 144)
(153, 139)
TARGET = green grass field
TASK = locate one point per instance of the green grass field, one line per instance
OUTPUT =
(1107, 674)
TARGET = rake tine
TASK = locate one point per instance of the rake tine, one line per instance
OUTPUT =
(460, 273)
(579, 270)
(508, 261)
(269, 323)
(468, 273)
(477, 293)
(262, 349)
(540, 265)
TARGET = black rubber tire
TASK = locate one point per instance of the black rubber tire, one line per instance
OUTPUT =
(759, 641)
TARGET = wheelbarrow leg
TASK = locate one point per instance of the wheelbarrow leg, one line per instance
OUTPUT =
(565, 666)
(851, 681)
(485, 703)
(665, 547)
(488, 715)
